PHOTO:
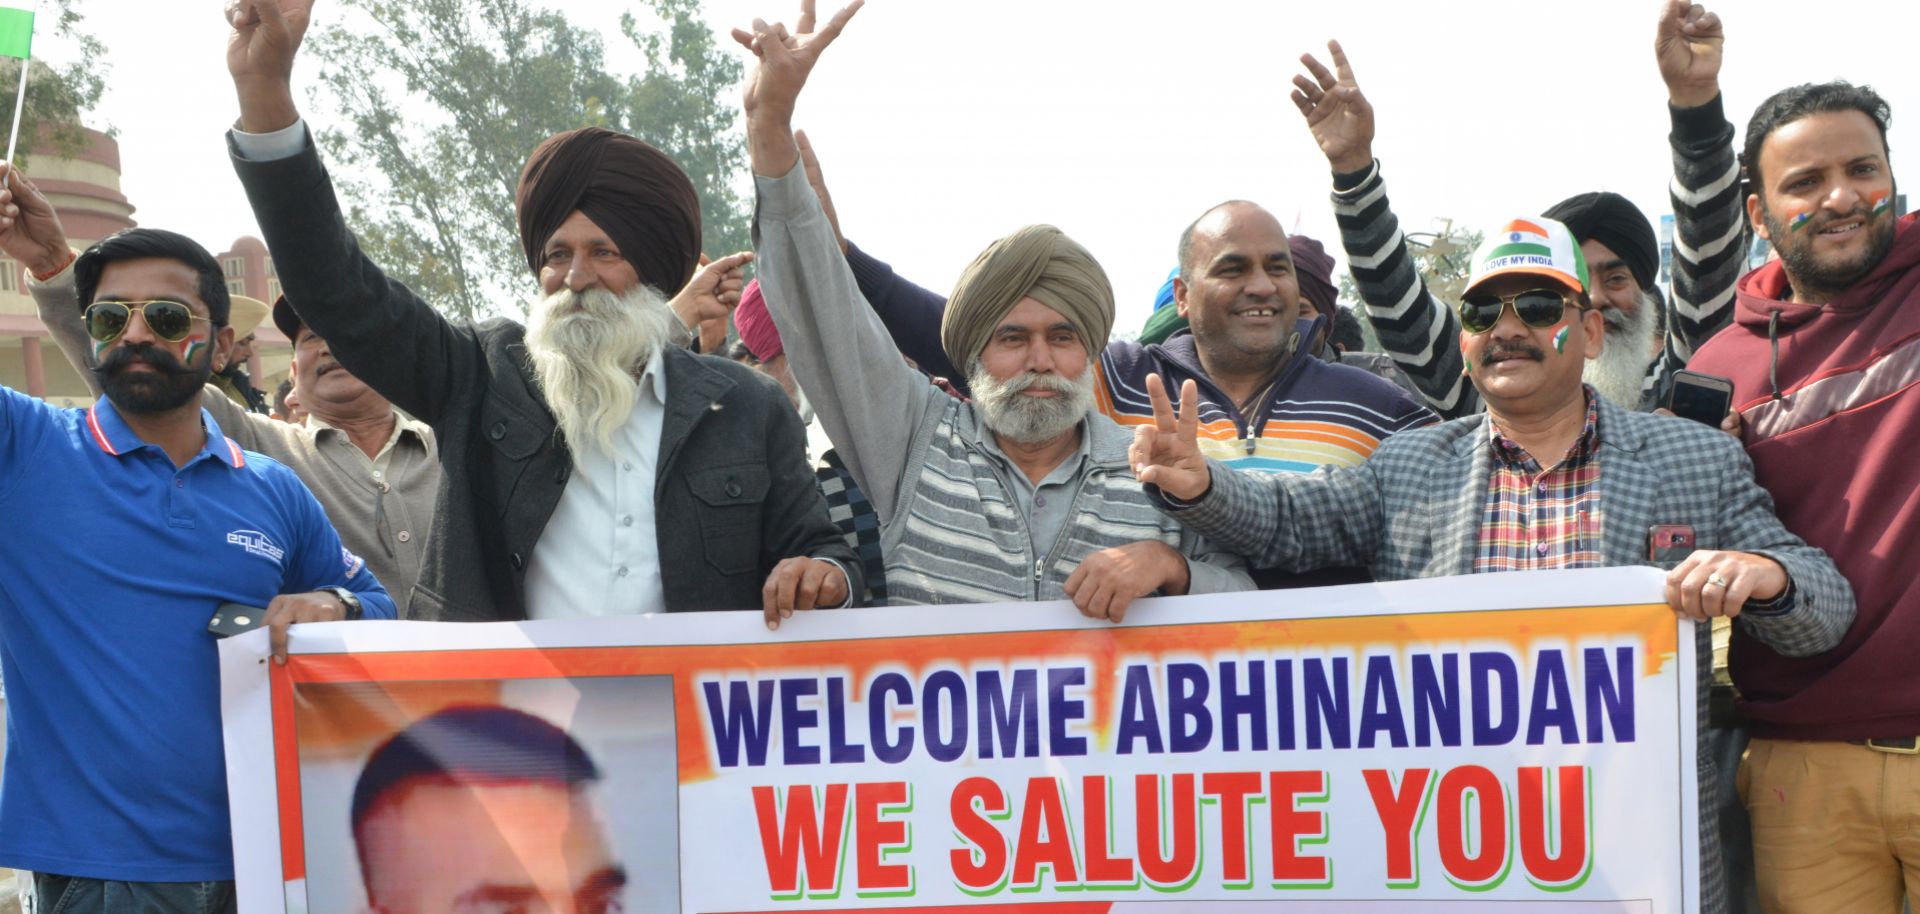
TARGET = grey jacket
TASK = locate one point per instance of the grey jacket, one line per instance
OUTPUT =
(1414, 510)
(733, 491)
(952, 528)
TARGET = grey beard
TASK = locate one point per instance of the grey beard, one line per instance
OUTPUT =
(1620, 371)
(1031, 420)
(586, 348)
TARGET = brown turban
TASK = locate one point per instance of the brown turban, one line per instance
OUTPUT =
(632, 191)
(1038, 262)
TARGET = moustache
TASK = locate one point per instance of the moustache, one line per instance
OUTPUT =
(1032, 379)
(1500, 352)
(155, 357)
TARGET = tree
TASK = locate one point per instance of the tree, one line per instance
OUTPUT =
(1444, 258)
(58, 94)
(437, 103)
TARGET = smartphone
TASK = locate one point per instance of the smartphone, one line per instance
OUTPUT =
(232, 619)
(1669, 543)
(1700, 397)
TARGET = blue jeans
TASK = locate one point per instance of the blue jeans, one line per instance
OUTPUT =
(75, 895)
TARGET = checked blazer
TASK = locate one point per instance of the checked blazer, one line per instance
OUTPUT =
(1414, 510)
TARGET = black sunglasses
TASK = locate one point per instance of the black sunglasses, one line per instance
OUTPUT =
(169, 320)
(1479, 311)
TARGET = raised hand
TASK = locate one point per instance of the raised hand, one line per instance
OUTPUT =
(786, 59)
(1689, 45)
(30, 231)
(1340, 117)
(713, 292)
(811, 163)
(266, 36)
(1167, 453)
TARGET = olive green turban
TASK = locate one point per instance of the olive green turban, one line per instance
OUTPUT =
(1038, 262)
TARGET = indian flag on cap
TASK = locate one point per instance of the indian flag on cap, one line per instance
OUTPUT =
(1533, 245)
(16, 31)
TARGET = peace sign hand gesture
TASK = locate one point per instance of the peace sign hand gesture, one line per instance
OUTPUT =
(1167, 453)
(786, 59)
(1340, 117)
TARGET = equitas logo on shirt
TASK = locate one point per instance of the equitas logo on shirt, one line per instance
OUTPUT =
(257, 543)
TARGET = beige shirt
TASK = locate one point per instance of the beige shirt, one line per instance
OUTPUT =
(382, 505)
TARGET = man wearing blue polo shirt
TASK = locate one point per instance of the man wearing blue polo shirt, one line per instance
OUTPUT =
(122, 528)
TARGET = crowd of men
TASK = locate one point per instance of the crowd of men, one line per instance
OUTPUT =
(614, 456)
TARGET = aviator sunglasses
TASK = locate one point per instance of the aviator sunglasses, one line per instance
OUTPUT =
(1543, 308)
(169, 320)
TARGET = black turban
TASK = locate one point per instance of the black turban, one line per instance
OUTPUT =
(632, 191)
(1614, 221)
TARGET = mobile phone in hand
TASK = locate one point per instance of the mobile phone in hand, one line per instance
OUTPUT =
(232, 619)
(1701, 397)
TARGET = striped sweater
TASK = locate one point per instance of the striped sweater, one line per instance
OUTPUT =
(1422, 334)
(952, 529)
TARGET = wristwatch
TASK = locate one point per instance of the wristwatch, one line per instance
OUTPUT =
(347, 599)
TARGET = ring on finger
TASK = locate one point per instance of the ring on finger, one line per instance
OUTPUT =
(1716, 580)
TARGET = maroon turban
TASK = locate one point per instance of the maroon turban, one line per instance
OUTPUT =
(632, 191)
(1314, 267)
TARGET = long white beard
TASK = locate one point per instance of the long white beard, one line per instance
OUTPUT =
(1031, 420)
(586, 348)
(1621, 369)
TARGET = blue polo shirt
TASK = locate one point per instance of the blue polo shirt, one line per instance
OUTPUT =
(111, 563)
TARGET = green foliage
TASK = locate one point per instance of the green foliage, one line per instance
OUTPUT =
(58, 94)
(432, 106)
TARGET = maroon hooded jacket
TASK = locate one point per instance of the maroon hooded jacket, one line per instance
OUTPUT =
(1830, 397)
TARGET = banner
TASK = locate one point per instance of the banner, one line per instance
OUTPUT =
(1450, 745)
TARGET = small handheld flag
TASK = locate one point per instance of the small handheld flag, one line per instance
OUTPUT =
(16, 41)
(16, 32)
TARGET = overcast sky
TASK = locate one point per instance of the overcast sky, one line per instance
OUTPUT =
(944, 125)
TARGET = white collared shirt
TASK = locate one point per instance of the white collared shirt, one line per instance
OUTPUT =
(598, 555)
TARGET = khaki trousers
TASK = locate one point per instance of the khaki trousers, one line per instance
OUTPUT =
(1836, 826)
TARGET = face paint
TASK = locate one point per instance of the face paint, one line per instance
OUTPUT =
(1560, 338)
(98, 349)
(194, 345)
(1883, 203)
(1798, 221)
(1464, 358)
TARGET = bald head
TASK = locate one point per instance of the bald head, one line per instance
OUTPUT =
(1215, 222)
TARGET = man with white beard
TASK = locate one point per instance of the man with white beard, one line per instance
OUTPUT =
(591, 465)
(1025, 492)
(1634, 370)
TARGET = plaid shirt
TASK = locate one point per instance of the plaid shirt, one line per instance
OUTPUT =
(1538, 519)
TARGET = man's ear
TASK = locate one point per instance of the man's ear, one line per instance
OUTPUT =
(222, 348)
(1756, 216)
(1180, 297)
(1594, 325)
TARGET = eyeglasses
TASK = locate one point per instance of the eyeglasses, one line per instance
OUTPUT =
(169, 320)
(1479, 311)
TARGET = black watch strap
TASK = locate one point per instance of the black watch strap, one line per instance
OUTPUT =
(348, 599)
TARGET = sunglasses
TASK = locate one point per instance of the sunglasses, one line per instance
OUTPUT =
(169, 320)
(1479, 311)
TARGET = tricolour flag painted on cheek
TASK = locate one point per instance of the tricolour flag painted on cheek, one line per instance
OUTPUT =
(16, 32)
